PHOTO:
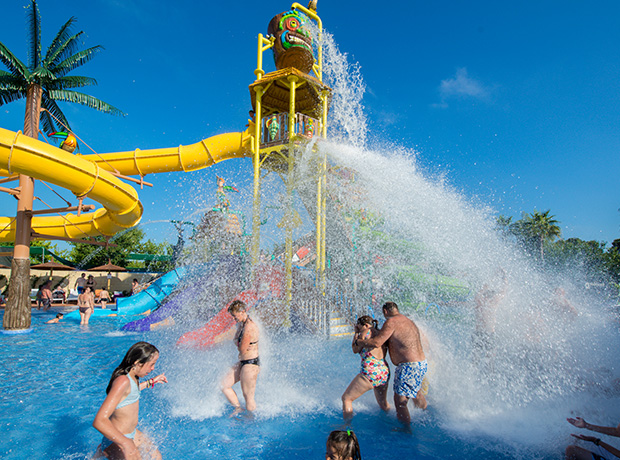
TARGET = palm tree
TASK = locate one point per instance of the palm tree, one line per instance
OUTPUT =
(503, 224)
(542, 227)
(43, 82)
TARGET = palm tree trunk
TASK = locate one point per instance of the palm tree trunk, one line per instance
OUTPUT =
(17, 311)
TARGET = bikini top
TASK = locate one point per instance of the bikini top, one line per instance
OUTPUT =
(133, 396)
(242, 331)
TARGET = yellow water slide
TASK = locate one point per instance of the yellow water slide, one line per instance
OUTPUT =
(89, 176)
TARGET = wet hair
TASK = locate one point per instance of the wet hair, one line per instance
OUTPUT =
(345, 444)
(140, 352)
(236, 306)
(59, 315)
(362, 320)
(390, 307)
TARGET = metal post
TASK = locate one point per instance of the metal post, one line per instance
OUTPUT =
(256, 160)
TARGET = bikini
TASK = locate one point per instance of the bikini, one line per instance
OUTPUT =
(132, 397)
(254, 361)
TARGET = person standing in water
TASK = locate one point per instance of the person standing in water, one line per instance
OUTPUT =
(86, 306)
(246, 370)
(117, 417)
(403, 340)
(374, 373)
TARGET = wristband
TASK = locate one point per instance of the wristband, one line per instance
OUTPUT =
(597, 441)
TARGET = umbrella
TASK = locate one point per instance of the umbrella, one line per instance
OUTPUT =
(109, 267)
(51, 266)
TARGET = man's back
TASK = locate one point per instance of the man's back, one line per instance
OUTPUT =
(404, 343)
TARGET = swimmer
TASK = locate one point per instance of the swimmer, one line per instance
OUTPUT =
(342, 445)
(247, 369)
(374, 373)
(86, 305)
(117, 417)
(600, 449)
(56, 320)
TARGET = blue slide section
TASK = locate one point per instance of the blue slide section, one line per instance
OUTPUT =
(148, 299)
(220, 269)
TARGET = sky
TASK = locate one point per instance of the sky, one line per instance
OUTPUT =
(516, 104)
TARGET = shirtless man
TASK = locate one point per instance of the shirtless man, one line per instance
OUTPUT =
(600, 449)
(247, 368)
(406, 353)
(46, 296)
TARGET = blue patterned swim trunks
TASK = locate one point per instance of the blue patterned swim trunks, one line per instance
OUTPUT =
(408, 378)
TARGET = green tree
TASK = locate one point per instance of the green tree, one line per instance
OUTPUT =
(43, 82)
(503, 225)
(88, 255)
(536, 229)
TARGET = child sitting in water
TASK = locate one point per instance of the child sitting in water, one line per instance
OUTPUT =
(342, 445)
(117, 418)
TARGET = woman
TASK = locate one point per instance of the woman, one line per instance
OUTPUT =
(117, 417)
(104, 298)
(374, 373)
(90, 282)
(247, 369)
(86, 305)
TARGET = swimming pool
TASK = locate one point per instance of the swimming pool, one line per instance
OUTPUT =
(53, 381)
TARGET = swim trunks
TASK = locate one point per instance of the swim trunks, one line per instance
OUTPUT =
(47, 303)
(105, 442)
(374, 369)
(254, 361)
(408, 378)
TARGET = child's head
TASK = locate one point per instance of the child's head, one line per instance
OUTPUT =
(139, 353)
(59, 316)
(342, 445)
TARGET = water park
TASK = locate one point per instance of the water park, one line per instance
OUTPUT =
(325, 231)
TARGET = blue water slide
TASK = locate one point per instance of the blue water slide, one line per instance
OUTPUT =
(213, 272)
(145, 300)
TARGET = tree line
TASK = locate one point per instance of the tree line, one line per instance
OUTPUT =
(539, 235)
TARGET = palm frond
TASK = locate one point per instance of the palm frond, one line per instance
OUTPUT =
(9, 95)
(84, 99)
(75, 61)
(8, 82)
(71, 81)
(42, 74)
(49, 104)
(15, 66)
(61, 38)
(65, 49)
(34, 42)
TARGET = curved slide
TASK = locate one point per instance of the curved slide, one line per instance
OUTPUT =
(219, 328)
(143, 301)
(93, 176)
(222, 268)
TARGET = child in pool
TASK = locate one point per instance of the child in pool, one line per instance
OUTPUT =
(342, 445)
(59, 316)
(117, 417)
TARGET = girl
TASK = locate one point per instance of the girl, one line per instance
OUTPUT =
(374, 373)
(117, 418)
(86, 305)
(342, 445)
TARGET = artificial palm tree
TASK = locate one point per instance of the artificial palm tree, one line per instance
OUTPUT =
(43, 82)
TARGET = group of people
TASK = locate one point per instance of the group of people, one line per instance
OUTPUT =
(399, 337)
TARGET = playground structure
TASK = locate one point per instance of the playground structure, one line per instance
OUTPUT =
(289, 106)
(290, 109)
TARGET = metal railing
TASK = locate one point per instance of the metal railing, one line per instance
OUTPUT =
(274, 128)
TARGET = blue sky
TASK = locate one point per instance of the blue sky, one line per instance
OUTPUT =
(517, 104)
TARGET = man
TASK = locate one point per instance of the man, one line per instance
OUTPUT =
(247, 368)
(46, 296)
(406, 353)
(80, 283)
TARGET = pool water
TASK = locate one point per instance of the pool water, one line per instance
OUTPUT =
(53, 381)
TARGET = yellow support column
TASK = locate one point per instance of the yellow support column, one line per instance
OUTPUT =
(256, 161)
(324, 97)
